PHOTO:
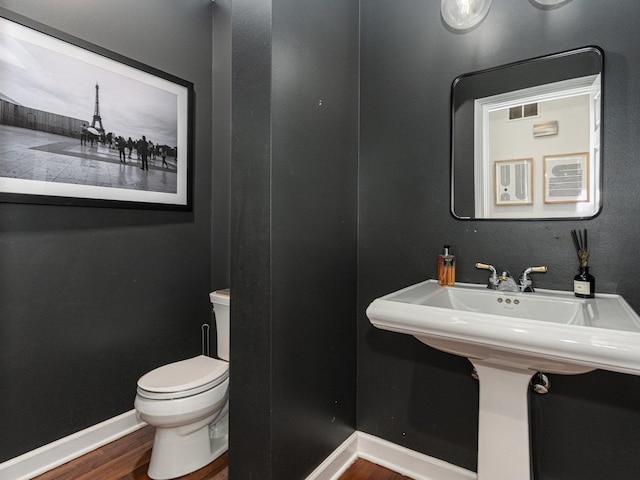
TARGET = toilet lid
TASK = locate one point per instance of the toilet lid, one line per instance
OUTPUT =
(185, 375)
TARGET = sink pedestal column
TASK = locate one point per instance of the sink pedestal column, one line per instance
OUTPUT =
(503, 422)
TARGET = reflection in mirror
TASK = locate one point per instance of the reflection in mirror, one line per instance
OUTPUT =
(527, 139)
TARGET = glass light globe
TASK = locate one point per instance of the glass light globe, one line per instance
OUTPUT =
(549, 2)
(464, 14)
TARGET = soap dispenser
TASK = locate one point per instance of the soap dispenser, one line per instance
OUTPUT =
(446, 267)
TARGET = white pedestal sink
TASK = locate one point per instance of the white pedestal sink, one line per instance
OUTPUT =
(508, 337)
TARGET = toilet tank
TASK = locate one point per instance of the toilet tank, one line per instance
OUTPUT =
(220, 300)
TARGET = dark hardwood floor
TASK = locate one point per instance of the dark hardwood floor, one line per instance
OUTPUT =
(363, 470)
(128, 459)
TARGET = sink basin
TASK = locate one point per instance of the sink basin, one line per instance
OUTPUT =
(533, 307)
(549, 330)
(508, 337)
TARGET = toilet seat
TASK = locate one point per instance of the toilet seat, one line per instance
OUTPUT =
(183, 379)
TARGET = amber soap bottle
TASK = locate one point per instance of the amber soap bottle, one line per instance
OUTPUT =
(446, 268)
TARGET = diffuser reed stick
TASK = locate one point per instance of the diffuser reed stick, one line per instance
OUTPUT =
(582, 246)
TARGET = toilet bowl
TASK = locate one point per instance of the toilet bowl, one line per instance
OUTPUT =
(188, 403)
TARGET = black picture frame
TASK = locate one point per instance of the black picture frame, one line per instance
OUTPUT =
(51, 88)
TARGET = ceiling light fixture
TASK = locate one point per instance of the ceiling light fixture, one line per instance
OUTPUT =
(464, 14)
(549, 3)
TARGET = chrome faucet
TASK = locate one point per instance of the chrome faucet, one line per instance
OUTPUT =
(494, 280)
(526, 284)
(505, 281)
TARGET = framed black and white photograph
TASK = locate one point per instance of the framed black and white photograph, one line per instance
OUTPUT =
(566, 178)
(80, 125)
(513, 182)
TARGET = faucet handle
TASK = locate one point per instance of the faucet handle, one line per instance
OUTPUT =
(541, 269)
(485, 266)
(494, 280)
(526, 284)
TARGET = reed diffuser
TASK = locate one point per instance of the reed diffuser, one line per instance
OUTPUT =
(584, 284)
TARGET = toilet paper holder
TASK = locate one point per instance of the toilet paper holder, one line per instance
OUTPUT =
(205, 339)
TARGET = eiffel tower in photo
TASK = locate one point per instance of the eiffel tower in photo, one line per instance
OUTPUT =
(97, 119)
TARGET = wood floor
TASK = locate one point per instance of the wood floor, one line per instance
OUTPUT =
(128, 459)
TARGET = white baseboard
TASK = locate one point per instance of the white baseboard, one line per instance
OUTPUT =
(336, 463)
(54, 454)
(399, 459)
(359, 445)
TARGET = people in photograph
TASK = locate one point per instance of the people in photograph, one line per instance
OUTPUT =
(122, 145)
(163, 154)
(130, 146)
(83, 134)
(142, 149)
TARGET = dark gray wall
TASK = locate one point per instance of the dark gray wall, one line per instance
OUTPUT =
(588, 426)
(251, 388)
(91, 298)
(293, 198)
(221, 143)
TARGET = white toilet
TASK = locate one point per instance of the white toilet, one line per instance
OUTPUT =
(188, 403)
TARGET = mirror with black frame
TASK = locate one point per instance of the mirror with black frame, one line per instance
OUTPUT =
(527, 138)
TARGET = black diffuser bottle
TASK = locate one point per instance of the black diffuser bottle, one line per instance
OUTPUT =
(584, 284)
